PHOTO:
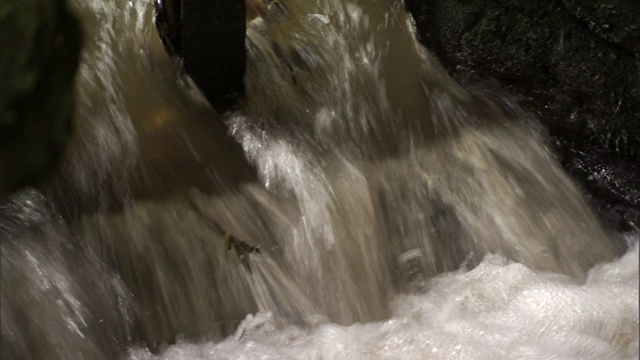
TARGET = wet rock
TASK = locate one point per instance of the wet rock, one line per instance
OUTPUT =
(575, 64)
(40, 43)
(207, 38)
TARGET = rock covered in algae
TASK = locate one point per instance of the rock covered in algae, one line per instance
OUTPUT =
(40, 43)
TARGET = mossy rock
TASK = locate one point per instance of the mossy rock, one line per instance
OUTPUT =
(40, 42)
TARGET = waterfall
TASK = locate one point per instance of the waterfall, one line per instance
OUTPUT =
(359, 195)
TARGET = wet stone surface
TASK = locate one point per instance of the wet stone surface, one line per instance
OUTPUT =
(574, 64)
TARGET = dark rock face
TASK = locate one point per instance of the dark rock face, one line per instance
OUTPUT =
(208, 39)
(40, 43)
(215, 62)
(573, 63)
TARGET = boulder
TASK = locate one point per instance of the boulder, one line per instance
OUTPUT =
(573, 63)
(40, 43)
(207, 39)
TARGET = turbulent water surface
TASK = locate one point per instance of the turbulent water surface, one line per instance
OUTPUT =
(498, 310)
(396, 214)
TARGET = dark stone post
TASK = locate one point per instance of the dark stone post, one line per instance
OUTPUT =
(213, 49)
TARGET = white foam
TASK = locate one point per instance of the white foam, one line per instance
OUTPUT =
(498, 310)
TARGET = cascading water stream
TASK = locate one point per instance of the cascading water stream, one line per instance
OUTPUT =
(376, 172)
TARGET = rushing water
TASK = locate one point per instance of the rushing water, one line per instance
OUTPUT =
(380, 189)
(498, 310)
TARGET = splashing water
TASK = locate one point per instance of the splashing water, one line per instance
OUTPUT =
(382, 188)
(498, 310)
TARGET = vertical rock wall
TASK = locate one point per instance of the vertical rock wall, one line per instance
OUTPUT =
(575, 64)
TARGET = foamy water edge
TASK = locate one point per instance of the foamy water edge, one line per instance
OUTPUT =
(498, 310)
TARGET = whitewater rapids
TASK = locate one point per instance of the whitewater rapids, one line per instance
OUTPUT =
(498, 310)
